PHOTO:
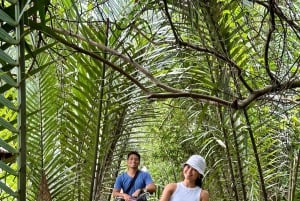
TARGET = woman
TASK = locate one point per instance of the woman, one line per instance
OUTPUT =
(190, 188)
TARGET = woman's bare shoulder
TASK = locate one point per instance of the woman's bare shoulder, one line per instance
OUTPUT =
(171, 186)
(168, 191)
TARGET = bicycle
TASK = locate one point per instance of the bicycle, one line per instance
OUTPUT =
(141, 197)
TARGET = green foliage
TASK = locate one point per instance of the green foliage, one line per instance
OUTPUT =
(166, 78)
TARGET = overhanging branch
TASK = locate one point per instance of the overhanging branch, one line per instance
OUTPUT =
(170, 92)
(235, 104)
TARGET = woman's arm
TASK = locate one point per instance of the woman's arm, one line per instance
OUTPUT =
(168, 191)
(204, 195)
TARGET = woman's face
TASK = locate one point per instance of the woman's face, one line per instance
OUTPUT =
(190, 173)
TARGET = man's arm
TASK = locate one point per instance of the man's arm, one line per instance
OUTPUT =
(151, 188)
(117, 193)
(117, 189)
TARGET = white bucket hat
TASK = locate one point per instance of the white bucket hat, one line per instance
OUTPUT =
(197, 162)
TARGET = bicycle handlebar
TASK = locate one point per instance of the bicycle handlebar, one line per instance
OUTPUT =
(133, 198)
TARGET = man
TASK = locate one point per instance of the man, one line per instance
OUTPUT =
(142, 183)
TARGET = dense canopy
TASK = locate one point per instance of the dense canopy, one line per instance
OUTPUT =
(85, 81)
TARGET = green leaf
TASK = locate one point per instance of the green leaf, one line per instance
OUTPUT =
(7, 147)
(8, 190)
(8, 79)
(6, 37)
(7, 103)
(7, 125)
(7, 168)
(6, 18)
(42, 5)
(13, 1)
(7, 59)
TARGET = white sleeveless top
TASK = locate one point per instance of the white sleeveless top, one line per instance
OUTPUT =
(183, 193)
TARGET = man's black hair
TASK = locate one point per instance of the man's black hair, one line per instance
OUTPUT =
(135, 153)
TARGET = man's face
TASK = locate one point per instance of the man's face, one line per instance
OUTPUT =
(133, 161)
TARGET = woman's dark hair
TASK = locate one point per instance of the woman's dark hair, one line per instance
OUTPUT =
(135, 153)
(199, 181)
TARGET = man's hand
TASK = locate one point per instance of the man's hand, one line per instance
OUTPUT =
(137, 193)
(126, 197)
